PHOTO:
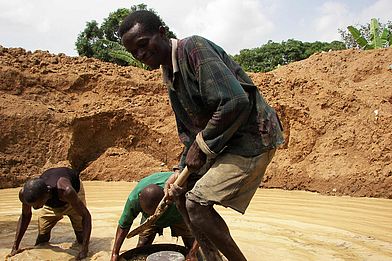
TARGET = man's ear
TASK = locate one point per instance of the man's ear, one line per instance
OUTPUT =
(21, 195)
(162, 30)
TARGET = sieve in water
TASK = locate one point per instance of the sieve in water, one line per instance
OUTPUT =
(166, 256)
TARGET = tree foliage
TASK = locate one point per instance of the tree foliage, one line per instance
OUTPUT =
(118, 51)
(103, 42)
(378, 38)
(271, 55)
(364, 34)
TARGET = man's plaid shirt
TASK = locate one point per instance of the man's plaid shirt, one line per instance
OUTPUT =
(212, 95)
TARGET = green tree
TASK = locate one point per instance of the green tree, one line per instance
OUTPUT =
(118, 51)
(103, 42)
(111, 24)
(271, 55)
(378, 38)
(87, 39)
(293, 50)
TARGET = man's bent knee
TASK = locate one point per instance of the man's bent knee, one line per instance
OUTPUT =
(196, 212)
(42, 238)
(192, 207)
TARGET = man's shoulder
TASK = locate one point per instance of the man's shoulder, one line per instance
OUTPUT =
(65, 190)
(192, 42)
(194, 38)
(158, 176)
(60, 171)
(197, 49)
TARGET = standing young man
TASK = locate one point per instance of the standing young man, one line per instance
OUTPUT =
(230, 133)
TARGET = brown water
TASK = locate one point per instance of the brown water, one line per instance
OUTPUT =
(278, 225)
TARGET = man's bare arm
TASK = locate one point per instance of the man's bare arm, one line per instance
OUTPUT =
(69, 195)
(121, 233)
(23, 223)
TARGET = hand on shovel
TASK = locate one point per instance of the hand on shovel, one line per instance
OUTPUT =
(195, 159)
(172, 190)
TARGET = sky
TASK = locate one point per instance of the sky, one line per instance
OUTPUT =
(54, 25)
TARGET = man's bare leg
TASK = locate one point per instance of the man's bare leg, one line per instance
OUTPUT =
(210, 224)
(79, 236)
(208, 249)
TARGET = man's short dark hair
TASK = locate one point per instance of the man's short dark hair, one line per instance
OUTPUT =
(151, 195)
(150, 21)
(34, 189)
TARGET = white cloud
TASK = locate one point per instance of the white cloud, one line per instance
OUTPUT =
(25, 15)
(54, 25)
(381, 9)
(49, 25)
(232, 24)
(333, 15)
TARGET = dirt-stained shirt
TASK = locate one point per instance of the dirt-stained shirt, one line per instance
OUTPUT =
(132, 207)
(216, 103)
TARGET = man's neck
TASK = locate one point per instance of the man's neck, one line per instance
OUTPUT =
(170, 68)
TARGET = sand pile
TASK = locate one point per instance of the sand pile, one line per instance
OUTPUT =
(115, 123)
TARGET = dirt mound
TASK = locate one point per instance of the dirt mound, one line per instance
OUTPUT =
(337, 113)
(77, 111)
(115, 123)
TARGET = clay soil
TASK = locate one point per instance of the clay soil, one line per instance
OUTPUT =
(115, 123)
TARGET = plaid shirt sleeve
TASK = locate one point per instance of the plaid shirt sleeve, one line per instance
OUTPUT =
(186, 139)
(221, 92)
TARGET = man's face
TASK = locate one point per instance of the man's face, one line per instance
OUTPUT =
(148, 210)
(148, 48)
(40, 202)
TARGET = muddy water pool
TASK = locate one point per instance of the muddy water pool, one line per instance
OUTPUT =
(278, 225)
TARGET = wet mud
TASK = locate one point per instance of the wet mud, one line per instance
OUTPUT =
(278, 225)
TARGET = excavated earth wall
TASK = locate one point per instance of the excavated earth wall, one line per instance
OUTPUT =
(115, 123)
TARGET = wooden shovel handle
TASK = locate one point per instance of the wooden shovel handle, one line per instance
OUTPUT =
(182, 177)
